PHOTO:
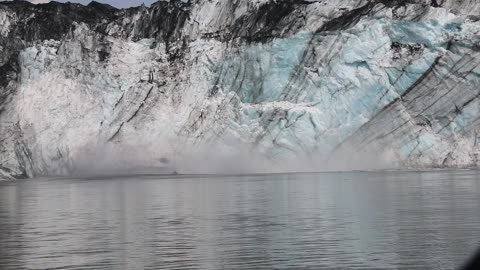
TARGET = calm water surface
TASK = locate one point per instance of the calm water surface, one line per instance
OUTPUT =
(382, 220)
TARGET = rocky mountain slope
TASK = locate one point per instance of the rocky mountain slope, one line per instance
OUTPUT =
(289, 85)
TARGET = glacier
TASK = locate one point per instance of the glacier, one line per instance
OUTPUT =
(239, 86)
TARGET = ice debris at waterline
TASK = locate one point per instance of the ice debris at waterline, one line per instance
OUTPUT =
(297, 85)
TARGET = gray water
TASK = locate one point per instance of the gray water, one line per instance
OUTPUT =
(357, 220)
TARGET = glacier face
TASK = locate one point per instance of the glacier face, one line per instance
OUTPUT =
(289, 85)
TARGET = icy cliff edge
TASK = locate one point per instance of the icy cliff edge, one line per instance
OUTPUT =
(239, 86)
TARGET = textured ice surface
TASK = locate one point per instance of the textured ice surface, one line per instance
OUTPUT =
(246, 85)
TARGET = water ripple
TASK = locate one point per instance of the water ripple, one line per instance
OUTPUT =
(394, 220)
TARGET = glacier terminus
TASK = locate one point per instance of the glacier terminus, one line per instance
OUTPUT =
(295, 84)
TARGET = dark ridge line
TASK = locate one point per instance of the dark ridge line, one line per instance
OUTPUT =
(420, 80)
(131, 117)
(119, 100)
(465, 104)
(353, 16)
(116, 132)
(141, 105)
(393, 102)
(93, 4)
(416, 84)
(347, 19)
(162, 20)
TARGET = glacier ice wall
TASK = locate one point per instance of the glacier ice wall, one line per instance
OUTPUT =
(270, 85)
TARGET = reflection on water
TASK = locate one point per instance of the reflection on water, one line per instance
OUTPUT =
(407, 220)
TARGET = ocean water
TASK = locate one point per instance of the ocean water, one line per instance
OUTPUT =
(354, 220)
